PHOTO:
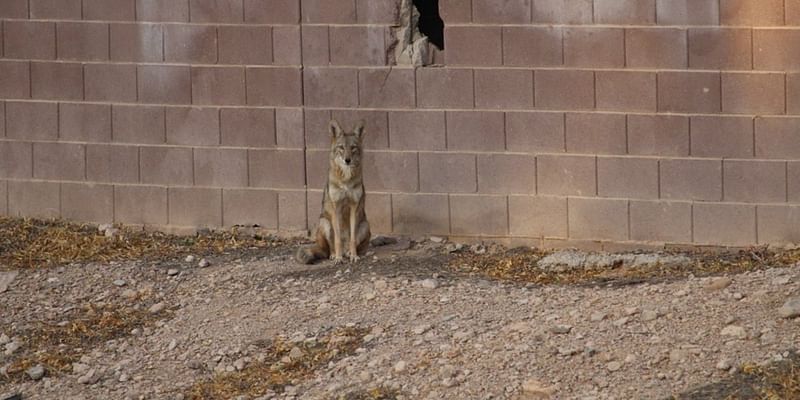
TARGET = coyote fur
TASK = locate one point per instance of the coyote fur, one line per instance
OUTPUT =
(342, 217)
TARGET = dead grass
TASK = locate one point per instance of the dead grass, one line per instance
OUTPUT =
(278, 370)
(378, 393)
(57, 345)
(521, 266)
(31, 243)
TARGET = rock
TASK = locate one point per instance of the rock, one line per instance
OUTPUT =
(561, 329)
(735, 331)
(5, 280)
(88, 378)
(4, 339)
(11, 347)
(129, 294)
(437, 239)
(379, 241)
(724, 365)
(172, 272)
(568, 351)
(790, 309)
(631, 311)
(172, 345)
(189, 259)
(102, 228)
(649, 315)
(120, 283)
(614, 366)
(597, 317)
(537, 390)
(36, 372)
(400, 366)
(429, 283)
(380, 284)
(718, 284)
(203, 263)
(111, 232)
(79, 368)
(738, 296)
(123, 377)
(157, 308)
(295, 353)
(678, 355)
(420, 329)
(240, 364)
(622, 321)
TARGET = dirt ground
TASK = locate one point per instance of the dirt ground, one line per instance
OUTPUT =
(403, 323)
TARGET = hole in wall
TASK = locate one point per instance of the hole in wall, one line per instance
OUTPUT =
(430, 23)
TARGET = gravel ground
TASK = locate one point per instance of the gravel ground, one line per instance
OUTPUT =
(434, 334)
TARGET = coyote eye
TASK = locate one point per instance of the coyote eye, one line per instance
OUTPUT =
(340, 148)
(354, 149)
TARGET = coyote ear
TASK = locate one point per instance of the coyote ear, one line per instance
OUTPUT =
(334, 129)
(359, 128)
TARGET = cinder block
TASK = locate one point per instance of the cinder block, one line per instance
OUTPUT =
(417, 130)
(15, 80)
(722, 137)
(720, 48)
(506, 173)
(778, 224)
(378, 207)
(4, 198)
(16, 160)
(778, 138)
(501, 11)
(162, 10)
(569, 12)
(112, 164)
(691, 179)
(358, 45)
(475, 130)
(748, 181)
(225, 11)
(29, 40)
(771, 49)
(277, 169)
(109, 10)
(315, 46)
(474, 45)
(317, 134)
(328, 11)
(137, 42)
(535, 132)
(532, 46)
(537, 216)
(625, 12)
(445, 88)
(145, 205)
(626, 91)
(751, 12)
(626, 177)
(793, 91)
(110, 82)
(389, 171)
(292, 211)
(687, 12)
(220, 167)
(566, 175)
(564, 89)
(193, 126)
(594, 47)
(689, 92)
(281, 87)
(272, 11)
(658, 135)
(57, 81)
(195, 207)
(317, 166)
(290, 128)
(218, 85)
(503, 89)
(661, 221)
(447, 173)
(166, 165)
(85, 122)
(602, 219)
(82, 41)
(59, 161)
(656, 48)
(793, 170)
(34, 199)
(250, 207)
(330, 87)
(414, 213)
(479, 215)
(455, 11)
(248, 127)
(386, 88)
(724, 224)
(746, 93)
(376, 126)
(190, 44)
(286, 45)
(164, 84)
(792, 12)
(595, 133)
(31, 121)
(138, 124)
(87, 202)
(250, 45)
(50, 9)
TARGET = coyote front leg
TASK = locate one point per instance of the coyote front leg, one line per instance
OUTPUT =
(353, 227)
(336, 221)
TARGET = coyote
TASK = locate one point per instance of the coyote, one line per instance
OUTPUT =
(342, 201)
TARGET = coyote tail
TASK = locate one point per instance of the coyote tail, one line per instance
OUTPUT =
(309, 254)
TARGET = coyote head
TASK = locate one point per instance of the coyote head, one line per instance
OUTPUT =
(346, 148)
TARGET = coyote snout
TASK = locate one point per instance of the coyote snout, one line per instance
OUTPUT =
(342, 215)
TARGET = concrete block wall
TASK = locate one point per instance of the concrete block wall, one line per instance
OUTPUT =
(590, 123)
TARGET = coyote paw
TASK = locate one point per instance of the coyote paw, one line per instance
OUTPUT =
(354, 258)
(337, 260)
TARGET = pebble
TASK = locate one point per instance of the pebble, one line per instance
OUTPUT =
(120, 283)
(598, 316)
(738, 296)
(203, 263)
(124, 377)
(614, 366)
(88, 378)
(791, 308)
(295, 353)
(631, 311)
(429, 283)
(11, 347)
(6, 278)
(535, 388)
(36, 372)
(437, 239)
(128, 294)
(400, 366)
(189, 259)
(734, 331)
(380, 284)
(420, 329)
(561, 329)
(724, 365)
(172, 344)
(172, 272)
(4, 339)
(649, 315)
(718, 283)
(157, 308)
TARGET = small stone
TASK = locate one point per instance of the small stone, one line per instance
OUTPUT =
(123, 377)
(379, 241)
(129, 294)
(79, 368)
(239, 364)
(678, 355)
(88, 378)
(111, 232)
(4, 339)
(400, 366)
(420, 329)
(295, 353)
(429, 283)
(597, 317)
(36, 372)
(568, 351)
(437, 239)
(631, 311)
(724, 365)
(380, 284)
(735, 331)
(203, 263)
(738, 296)
(6, 278)
(172, 344)
(718, 284)
(157, 308)
(120, 283)
(172, 272)
(649, 315)
(680, 293)
(189, 259)
(622, 321)
(614, 366)
(790, 309)
(11, 347)
(369, 295)
(537, 390)
(561, 329)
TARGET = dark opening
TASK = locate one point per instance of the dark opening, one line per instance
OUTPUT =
(430, 23)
